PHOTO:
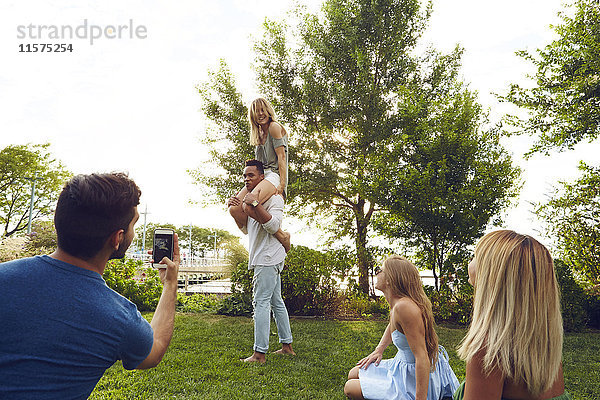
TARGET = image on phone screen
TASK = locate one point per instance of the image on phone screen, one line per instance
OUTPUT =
(163, 247)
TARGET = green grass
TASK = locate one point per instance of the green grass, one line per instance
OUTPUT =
(203, 362)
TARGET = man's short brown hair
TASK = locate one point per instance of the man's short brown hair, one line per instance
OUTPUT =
(90, 208)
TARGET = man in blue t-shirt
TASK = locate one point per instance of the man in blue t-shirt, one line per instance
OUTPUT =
(61, 326)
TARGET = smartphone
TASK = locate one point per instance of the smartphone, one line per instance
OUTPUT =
(162, 247)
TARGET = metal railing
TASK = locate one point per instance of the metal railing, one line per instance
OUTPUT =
(194, 270)
(202, 270)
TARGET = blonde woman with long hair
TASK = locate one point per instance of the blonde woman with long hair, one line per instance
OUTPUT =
(271, 148)
(513, 349)
(420, 369)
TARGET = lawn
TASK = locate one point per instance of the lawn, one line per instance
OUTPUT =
(203, 362)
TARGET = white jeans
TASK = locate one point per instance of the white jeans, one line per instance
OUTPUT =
(266, 290)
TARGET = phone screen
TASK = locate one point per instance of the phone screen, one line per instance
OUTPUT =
(163, 246)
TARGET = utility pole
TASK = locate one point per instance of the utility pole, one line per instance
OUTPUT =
(190, 251)
(145, 213)
(214, 235)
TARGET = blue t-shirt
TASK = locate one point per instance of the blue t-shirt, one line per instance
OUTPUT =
(61, 327)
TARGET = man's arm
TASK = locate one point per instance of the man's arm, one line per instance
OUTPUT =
(163, 320)
(240, 217)
(270, 220)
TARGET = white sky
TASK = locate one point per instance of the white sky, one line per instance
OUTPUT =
(131, 104)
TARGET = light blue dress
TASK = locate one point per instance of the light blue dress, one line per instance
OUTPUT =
(395, 378)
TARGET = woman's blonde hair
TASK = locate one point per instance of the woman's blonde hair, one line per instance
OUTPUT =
(517, 322)
(252, 112)
(404, 281)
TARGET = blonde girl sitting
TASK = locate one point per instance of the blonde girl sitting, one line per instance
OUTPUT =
(513, 348)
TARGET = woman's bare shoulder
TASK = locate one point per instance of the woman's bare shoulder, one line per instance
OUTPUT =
(406, 311)
(406, 305)
(276, 130)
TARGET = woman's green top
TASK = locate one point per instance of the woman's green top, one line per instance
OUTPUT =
(265, 153)
(460, 393)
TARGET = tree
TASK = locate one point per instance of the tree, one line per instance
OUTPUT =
(235, 253)
(565, 109)
(227, 139)
(338, 92)
(22, 166)
(564, 103)
(573, 215)
(360, 106)
(450, 176)
(148, 240)
(202, 238)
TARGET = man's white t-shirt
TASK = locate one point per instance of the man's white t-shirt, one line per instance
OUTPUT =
(265, 249)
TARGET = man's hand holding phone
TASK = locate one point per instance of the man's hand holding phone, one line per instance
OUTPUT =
(163, 320)
(171, 272)
(165, 255)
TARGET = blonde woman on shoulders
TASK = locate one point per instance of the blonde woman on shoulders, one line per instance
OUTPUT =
(271, 148)
(513, 348)
(420, 369)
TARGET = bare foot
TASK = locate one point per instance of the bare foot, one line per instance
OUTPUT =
(256, 357)
(286, 241)
(253, 359)
(285, 349)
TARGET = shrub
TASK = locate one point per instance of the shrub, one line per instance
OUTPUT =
(572, 298)
(241, 278)
(12, 248)
(308, 287)
(197, 303)
(356, 304)
(592, 306)
(237, 304)
(591, 302)
(308, 281)
(235, 254)
(454, 301)
(451, 304)
(574, 301)
(42, 239)
(141, 287)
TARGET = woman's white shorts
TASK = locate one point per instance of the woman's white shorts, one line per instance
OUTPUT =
(272, 177)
